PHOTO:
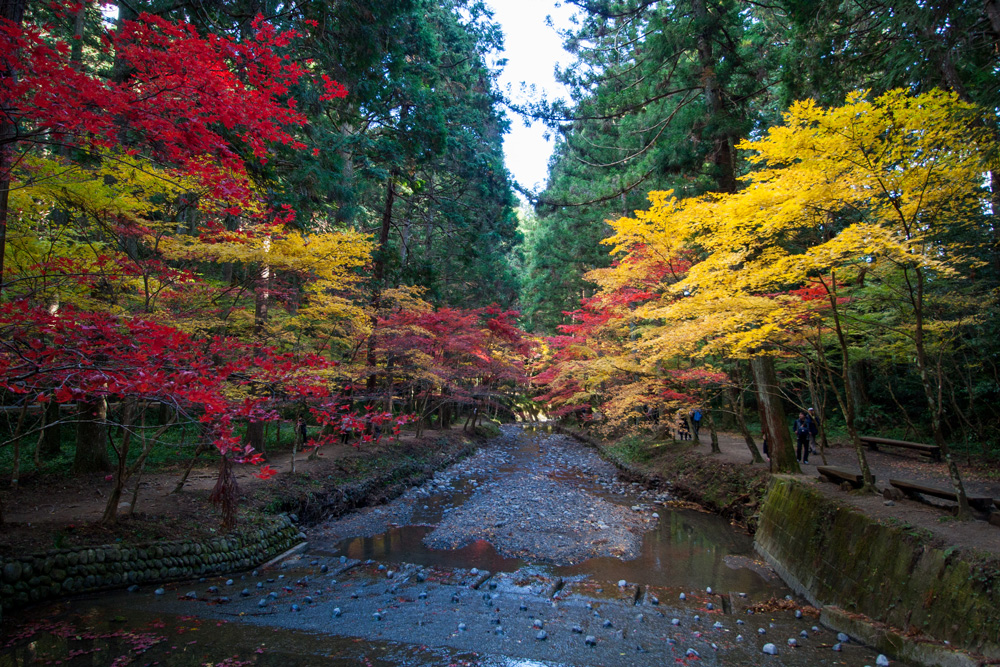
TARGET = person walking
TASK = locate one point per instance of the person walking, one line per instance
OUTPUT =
(696, 421)
(813, 430)
(801, 429)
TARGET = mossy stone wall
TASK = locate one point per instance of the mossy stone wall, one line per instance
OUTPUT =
(61, 572)
(835, 555)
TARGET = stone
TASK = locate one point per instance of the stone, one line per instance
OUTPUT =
(12, 572)
(538, 623)
(739, 638)
(308, 600)
(260, 584)
(542, 635)
(709, 606)
(837, 647)
(324, 568)
(709, 590)
(262, 602)
(843, 638)
(798, 613)
(576, 630)
(245, 592)
(590, 640)
(770, 649)
(336, 611)
(682, 596)
(697, 617)
(761, 631)
(191, 595)
(718, 625)
(653, 600)
(675, 621)
(607, 623)
(461, 627)
(159, 591)
(792, 641)
(132, 589)
(691, 653)
(882, 661)
(423, 595)
(803, 634)
(377, 616)
(229, 582)
(622, 583)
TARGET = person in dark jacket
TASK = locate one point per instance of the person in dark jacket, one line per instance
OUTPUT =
(813, 430)
(801, 428)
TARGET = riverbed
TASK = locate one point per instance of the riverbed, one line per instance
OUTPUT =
(531, 552)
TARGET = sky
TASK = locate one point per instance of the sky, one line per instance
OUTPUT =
(532, 50)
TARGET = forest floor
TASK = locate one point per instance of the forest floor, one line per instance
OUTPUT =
(59, 511)
(936, 517)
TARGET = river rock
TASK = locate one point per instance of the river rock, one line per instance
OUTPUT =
(590, 640)
(542, 636)
(770, 649)
(842, 637)
(882, 661)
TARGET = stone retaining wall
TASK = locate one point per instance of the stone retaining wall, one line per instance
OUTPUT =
(835, 555)
(61, 572)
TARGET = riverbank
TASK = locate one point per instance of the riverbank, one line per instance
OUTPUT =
(918, 581)
(45, 558)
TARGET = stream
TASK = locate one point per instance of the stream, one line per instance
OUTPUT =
(530, 552)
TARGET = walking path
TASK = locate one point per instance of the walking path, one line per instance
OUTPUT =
(891, 463)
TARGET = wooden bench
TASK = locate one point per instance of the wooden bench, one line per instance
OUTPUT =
(932, 451)
(838, 475)
(914, 490)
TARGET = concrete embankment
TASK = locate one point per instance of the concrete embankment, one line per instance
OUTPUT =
(837, 556)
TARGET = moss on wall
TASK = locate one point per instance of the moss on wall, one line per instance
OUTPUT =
(836, 555)
(61, 572)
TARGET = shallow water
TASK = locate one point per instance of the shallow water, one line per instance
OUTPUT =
(687, 550)
(438, 610)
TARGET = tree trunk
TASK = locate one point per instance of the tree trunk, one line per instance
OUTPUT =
(722, 153)
(712, 433)
(13, 11)
(735, 396)
(932, 391)
(255, 436)
(378, 276)
(772, 416)
(51, 444)
(92, 437)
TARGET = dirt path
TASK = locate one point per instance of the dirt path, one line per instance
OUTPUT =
(894, 463)
(50, 511)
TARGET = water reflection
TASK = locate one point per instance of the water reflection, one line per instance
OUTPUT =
(688, 549)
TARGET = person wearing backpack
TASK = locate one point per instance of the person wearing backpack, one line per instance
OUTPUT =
(813, 430)
(696, 421)
(801, 428)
